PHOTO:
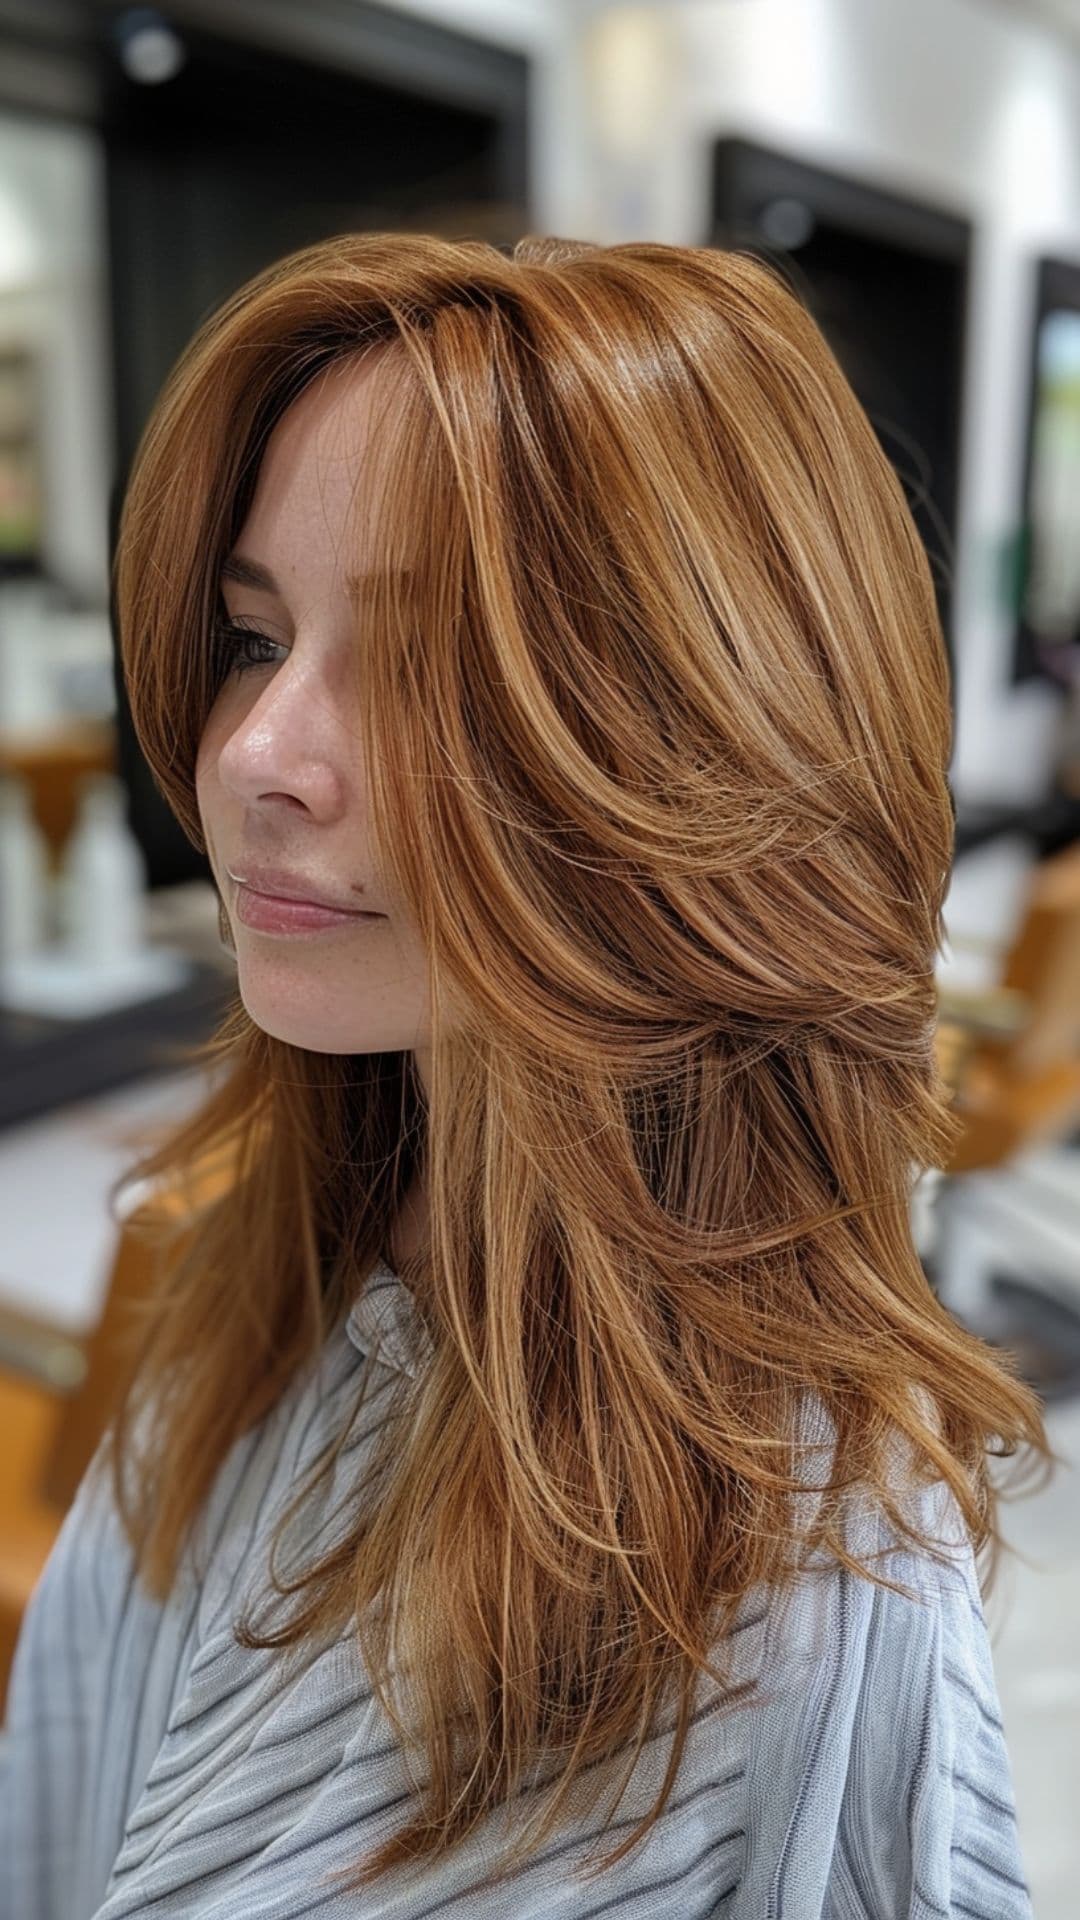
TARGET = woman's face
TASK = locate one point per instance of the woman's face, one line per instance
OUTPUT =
(280, 776)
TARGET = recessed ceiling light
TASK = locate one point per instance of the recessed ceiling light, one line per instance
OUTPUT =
(150, 49)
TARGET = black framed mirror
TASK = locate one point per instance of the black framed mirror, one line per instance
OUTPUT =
(886, 278)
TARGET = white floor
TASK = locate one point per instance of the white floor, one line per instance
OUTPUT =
(56, 1261)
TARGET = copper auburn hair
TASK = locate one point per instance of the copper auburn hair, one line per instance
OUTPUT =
(657, 730)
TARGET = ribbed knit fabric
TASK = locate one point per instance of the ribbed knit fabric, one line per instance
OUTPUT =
(151, 1766)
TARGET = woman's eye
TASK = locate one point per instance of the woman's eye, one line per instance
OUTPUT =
(237, 647)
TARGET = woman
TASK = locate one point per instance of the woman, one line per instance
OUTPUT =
(546, 1283)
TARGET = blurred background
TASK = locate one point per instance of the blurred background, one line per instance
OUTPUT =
(915, 168)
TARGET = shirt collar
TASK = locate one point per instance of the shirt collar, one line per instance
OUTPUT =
(384, 1317)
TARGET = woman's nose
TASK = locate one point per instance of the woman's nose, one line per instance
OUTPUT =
(290, 741)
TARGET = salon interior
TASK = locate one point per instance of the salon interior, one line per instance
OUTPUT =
(916, 169)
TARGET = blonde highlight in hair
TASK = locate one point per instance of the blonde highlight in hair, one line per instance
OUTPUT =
(658, 729)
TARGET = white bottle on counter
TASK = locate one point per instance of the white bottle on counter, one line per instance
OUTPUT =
(104, 878)
(25, 880)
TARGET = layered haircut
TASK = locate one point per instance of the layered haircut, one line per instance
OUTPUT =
(657, 725)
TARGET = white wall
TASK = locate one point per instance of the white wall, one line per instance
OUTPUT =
(959, 103)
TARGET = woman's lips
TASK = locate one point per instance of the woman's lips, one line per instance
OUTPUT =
(269, 913)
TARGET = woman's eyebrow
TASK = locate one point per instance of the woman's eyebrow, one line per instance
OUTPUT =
(252, 573)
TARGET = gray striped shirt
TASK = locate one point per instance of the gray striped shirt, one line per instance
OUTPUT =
(151, 1766)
